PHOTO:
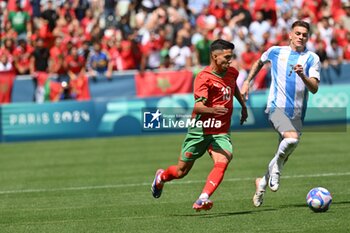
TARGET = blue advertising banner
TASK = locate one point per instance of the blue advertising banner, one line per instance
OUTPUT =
(23, 90)
(49, 120)
(117, 86)
(136, 116)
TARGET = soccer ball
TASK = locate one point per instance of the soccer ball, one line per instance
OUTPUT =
(319, 199)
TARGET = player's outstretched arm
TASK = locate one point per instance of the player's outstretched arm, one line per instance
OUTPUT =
(253, 72)
(244, 112)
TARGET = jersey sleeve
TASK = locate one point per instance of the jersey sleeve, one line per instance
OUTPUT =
(201, 87)
(265, 57)
(315, 68)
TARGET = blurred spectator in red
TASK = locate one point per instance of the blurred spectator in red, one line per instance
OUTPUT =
(347, 48)
(77, 36)
(127, 52)
(88, 22)
(113, 53)
(74, 62)
(340, 33)
(337, 10)
(79, 87)
(309, 10)
(22, 55)
(9, 48)
(235, 4)
(248, 57)
(8, 32)
(151, 52)
(268, 10)
(180, 54)
(58, 55)
(216, 8)
(282, 38)
(67, 9)
(78, 80)
(20, 21)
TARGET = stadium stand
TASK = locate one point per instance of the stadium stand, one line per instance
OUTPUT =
(49, 44)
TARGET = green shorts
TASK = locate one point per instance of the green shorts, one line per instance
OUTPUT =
(195, 145)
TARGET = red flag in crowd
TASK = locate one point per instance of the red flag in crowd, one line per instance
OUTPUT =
(78, 89)
(163, 83)
(6, 84)
(80, 85)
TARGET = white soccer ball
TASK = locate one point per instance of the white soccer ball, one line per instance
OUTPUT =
(319, 199)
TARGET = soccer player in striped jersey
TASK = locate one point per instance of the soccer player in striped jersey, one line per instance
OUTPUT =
(295, 71)
(214, 90)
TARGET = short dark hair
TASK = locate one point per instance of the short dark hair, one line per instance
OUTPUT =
(220, 44)
(300, 23)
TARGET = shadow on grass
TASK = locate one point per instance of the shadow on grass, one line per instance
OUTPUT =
(224, 214)
(340, 202)
(260, 210)
(305, 205)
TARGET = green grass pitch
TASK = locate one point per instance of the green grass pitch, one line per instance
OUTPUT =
(103, 185)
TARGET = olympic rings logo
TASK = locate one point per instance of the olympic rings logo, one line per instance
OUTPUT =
(338, 100)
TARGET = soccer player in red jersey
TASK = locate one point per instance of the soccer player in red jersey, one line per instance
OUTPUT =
(214, 89)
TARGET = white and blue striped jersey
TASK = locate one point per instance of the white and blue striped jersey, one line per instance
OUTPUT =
(287, 90)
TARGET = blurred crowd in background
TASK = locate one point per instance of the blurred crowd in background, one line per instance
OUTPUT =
(79, 39)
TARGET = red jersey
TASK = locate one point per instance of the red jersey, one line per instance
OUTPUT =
(218, 90)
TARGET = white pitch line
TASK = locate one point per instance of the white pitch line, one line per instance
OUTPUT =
(147, 184)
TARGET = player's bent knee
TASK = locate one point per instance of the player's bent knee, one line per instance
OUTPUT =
(181, 173)
(292, 144)
(292, 141)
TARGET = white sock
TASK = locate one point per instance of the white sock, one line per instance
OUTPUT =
(263, 182)
(285, 148)
(204, 196)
